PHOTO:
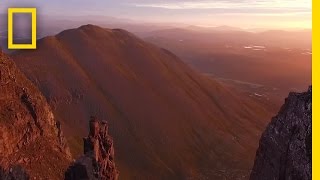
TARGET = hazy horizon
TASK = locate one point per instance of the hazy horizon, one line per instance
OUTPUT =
(245, 14)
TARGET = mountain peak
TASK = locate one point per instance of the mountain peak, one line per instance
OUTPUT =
(90, 27)
(92, 70)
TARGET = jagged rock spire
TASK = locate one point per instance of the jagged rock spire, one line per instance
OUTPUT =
(98, 159)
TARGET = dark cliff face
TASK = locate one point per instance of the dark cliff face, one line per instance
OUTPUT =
(29, 135)
(98, 159)
(286, 145)
(14, 173)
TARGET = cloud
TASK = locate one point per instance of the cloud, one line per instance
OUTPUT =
(231, 4)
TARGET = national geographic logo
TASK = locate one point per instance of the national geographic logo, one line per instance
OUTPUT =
(33, 12)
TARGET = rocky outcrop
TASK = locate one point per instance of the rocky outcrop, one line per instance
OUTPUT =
(29, 135)
(285, 149)
(98, 160)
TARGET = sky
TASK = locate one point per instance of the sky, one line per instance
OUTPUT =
(273, 14)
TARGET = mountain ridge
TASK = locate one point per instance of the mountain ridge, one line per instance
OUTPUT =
(166, 118)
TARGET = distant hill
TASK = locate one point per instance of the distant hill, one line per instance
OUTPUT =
(279, 60)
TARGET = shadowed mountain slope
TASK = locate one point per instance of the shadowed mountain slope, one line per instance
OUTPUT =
(167, 120)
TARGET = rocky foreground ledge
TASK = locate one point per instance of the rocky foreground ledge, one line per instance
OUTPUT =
(98, 159)
(285, 148)
(32, 144)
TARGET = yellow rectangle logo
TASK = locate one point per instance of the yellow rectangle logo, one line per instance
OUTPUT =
(33, 12)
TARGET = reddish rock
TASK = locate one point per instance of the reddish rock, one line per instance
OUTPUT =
(98, 159)
(29, 134)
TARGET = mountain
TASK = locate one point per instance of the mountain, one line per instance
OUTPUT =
(167, 120)
(31, 140)
(285, 149)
